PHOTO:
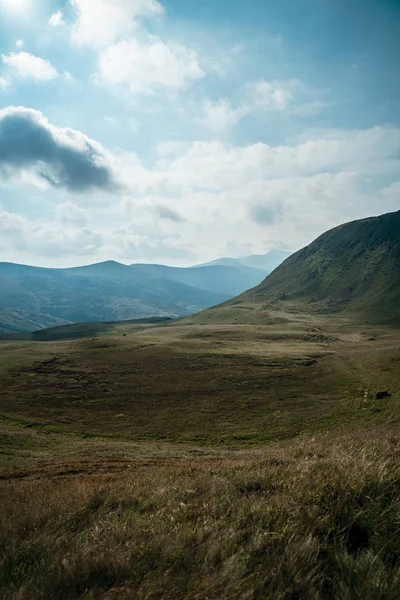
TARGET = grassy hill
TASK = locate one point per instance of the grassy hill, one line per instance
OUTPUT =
(353, 269)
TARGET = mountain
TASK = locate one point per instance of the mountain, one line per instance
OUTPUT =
(101, 292)
(16, 321)
(352, 269)
(216, 278)
(32, 298)
(264, 262)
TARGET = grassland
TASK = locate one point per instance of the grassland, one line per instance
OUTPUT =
(200, 460)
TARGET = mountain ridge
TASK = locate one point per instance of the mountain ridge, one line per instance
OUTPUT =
(112, 291)
(265, 262)
(352, 269)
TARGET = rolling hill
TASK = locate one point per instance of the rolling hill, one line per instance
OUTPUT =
(33, 298)
(352, 269)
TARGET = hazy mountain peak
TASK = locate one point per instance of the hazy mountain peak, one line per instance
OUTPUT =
(264, 262)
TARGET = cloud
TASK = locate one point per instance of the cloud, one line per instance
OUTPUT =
(272, 95)
(310, 198)
(56, 20)
(164, 212)
(220, 115)
(46, 239)
(265, 213)
(99, 23)
(64, 158)
(143, 241)
(261, 192)
(19, 43)
(27, 66)
(255, 194)
(4, 83)
(259, 97)
(145, 67)
(214, 166)
(391, 196)
(70, 214)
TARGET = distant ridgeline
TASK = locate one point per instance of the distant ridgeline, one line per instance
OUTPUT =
(33, 298)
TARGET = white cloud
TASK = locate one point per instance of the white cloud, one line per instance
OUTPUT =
(198, 196)
(391, 195)
(17, 7)
(56, 20)
(144, 239)
(218, 166)
(149, 66)
(4, 83)
(100, 23)
(27, 66)
(220, 115)
(259, 97)
(19, 43)
(70, 214)
(272, 95)
(19, 234)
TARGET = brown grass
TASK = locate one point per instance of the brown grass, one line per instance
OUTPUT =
(316, 518)
(137, 466)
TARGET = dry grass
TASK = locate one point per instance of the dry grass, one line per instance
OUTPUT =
(95, 506)
(227, 385)
(316, 518)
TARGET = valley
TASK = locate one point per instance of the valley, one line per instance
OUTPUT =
(146, 462)
(34, 298)
(248, 451)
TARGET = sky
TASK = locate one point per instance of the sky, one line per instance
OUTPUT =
(176, 132)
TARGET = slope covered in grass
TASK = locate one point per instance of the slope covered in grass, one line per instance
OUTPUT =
(316, 518)
(353, 268)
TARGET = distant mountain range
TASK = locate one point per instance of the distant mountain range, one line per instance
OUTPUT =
(353, 269)
(265, 262)
(33, 298)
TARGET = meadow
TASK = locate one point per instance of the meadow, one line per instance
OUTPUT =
(256, 459)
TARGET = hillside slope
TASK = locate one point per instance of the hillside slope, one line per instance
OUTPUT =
(17, 321)
(352, 269)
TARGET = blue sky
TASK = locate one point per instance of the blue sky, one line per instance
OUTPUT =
(179, 131)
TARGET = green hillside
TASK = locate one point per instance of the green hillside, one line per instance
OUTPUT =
(353, 269)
